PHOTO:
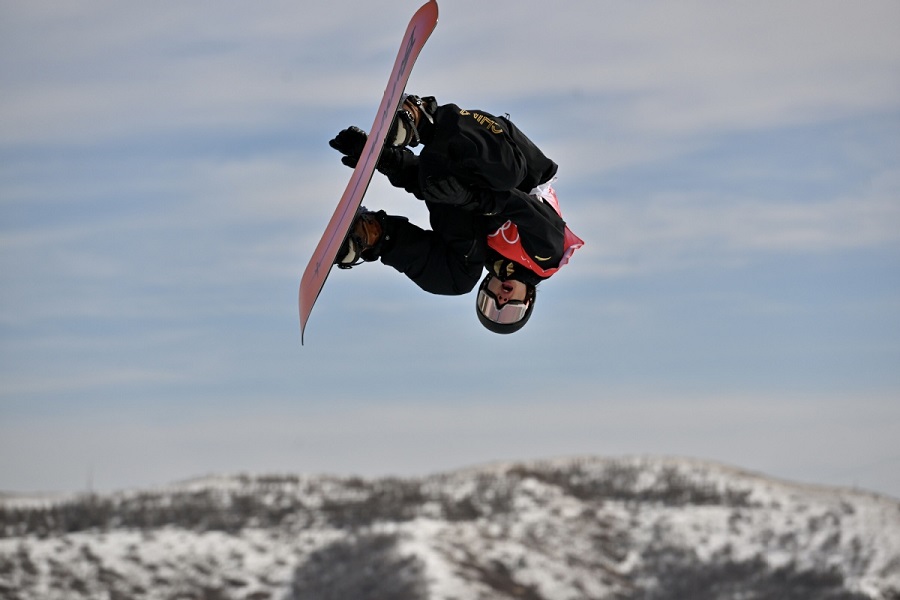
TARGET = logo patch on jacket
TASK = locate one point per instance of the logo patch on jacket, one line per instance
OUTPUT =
(483, 120)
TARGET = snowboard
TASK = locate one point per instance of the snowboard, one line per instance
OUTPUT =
(419, 29)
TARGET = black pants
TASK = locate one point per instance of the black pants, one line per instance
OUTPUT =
(446, 260)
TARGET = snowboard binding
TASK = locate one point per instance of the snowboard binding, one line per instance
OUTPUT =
(364, 240)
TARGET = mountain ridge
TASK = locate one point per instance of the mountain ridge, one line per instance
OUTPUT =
(653, 528)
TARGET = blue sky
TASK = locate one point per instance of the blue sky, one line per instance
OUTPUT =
(734, 169)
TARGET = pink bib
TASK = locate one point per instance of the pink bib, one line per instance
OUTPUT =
(507, 242)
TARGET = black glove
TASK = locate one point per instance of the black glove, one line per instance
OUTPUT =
(448, 190)
(350, 142)
(391, 160)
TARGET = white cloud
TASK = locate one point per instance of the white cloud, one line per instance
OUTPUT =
(681, 229)
(107, 70)
(114, 70)
(677, 68)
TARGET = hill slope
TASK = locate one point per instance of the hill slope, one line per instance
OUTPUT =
(641, 528)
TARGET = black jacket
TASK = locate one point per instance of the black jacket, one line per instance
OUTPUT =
(499, 165)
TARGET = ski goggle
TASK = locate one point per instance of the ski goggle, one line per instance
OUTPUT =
(511, 312)
(403, 130)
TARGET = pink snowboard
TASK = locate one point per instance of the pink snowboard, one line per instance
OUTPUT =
(417, 32)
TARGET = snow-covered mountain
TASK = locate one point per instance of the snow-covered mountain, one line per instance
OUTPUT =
(592, 528)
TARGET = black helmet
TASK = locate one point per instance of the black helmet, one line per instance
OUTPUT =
(508, 318)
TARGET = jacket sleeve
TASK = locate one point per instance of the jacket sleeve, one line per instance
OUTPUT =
(405, 174)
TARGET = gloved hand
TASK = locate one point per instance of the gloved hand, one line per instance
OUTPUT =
(350, 142)
(391, 160)
(448, 190)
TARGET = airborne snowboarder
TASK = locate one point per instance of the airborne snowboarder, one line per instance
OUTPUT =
(488, 190)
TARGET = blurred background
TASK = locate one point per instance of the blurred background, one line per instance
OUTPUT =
(734, 170)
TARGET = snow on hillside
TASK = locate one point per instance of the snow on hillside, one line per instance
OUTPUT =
(641, 528)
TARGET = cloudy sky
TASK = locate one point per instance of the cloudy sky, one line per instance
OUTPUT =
(734, 169)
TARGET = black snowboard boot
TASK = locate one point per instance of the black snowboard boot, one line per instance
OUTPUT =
(364, 241)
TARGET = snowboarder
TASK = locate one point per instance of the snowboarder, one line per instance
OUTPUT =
(488, 191)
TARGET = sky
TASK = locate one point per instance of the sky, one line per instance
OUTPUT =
(734, 169)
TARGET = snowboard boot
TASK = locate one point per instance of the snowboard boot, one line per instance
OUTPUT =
(364, 241)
